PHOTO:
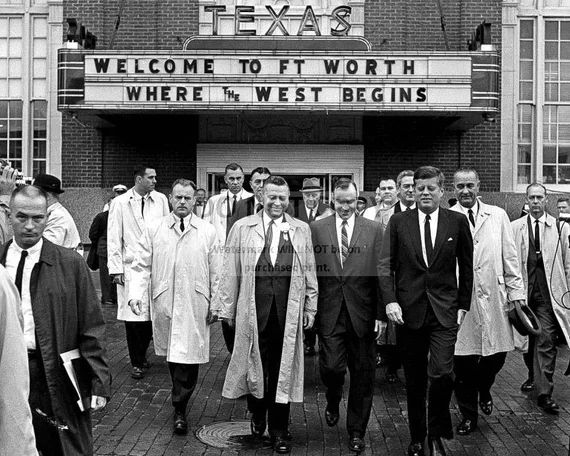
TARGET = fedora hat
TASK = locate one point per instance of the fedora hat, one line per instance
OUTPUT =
(311, 184)
(524, 320)
(48, 183)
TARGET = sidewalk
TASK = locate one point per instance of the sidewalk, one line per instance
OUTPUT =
(138, 419)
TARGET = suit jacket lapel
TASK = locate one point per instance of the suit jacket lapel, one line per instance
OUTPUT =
(414, 235)
(355, 234)
(440, 237)
(334, 239)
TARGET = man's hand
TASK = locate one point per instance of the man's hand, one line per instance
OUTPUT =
(380, 328)
(521, 302)
(8, 180)
(461, 316)
(119, 279)
(136, 306)
(394, 313)
(212, 317)
(308, 320)
(98, 402)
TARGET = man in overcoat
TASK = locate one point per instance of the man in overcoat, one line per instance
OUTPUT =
(16, 431)
(128, 215)
(544, 255)
(180, 258)
(61, 314)
(422, 252)
(486, 334)
(347, 255)
(269, 289)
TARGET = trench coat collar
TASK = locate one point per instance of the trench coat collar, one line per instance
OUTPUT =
(47, 255)
(482, 214)
(175, 220)
(256, 222)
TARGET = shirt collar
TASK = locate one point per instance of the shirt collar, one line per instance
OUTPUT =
(350, 220)
(36, 248)
(266, 219)
(540, 220)
(434, 215)
(403, 207)
(238, 195)
(138, 197)
(465, 210)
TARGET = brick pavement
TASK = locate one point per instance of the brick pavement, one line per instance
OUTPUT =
(138, 419)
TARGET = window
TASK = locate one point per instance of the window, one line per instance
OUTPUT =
(11, 131)
(526, 108)
(556, 112)
(39, 113)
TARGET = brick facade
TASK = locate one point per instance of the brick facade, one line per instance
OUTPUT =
(100, 158)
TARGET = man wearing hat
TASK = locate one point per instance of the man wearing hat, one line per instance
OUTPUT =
(486, 335)
(361, 205)
(118, 189)
(60, 228)
(312, 206)
(308, 211)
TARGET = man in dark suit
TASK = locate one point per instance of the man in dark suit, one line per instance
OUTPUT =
(419, 286)
(308, 210)
(405, 189)
(347, 255)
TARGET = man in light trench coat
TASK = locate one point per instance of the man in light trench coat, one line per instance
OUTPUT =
(128, 215)
(486, 334)
(269, 289)
(179, 257)
(544, 255)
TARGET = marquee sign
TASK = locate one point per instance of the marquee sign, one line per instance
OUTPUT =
(278, 80)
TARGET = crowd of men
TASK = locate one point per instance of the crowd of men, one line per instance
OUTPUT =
(443, 293)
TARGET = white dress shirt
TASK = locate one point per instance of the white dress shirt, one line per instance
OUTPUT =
(276, 229)
(12, 259)
(475, 210)
(434, 218)
(230, 199)
(349, 231)
(541, 224)
(403, 207)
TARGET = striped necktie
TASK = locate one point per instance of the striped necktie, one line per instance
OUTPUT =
(344, 241)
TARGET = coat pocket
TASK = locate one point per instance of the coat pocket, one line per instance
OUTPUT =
(203, 289)
(158, 290)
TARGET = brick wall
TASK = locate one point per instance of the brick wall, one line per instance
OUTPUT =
(94, 158)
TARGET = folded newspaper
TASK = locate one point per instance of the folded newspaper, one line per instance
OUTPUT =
(68, 358)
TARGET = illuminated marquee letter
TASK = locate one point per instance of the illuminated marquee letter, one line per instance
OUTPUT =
(340, 14)
(246, 18)
(309, 22)
(214, 9)
(277, 18)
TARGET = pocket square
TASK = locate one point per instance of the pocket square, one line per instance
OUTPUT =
(450, 239)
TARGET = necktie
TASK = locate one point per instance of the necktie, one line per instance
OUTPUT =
(344, 241)
(182, 225)
(311, 216)
(258, 207)
(471, 218)
(142, 207)
(234, 204)
(427, 234)
(268, 240)
(408, 208)
(20, 271)
(536, 237)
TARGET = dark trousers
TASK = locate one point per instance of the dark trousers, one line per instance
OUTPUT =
(139, 334)
(341, 349)
(229, 333)
(270, 347)
(108, 288)
(391, 355)
(474, 377)
(438, 342)
(184, 378)
(310, 337)
(543, 348)
(48, 442)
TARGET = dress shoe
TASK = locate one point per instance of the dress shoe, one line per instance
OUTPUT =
(486, 406)
(310, 351)
(356, 442)
(546, 403)
(391, 377)
(416, 449)
(137, 373)
(466, 427)
(180, 424)
(527, 386)
(281, 446)
(331, 417)
(436, 446)
(258, 427)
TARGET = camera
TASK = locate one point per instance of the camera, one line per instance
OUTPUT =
(20, 178)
